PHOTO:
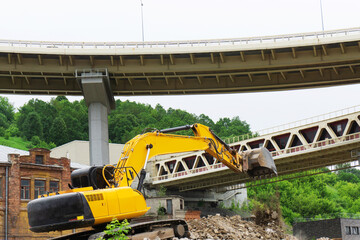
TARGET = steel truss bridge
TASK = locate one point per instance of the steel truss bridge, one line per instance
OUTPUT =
(318, 142)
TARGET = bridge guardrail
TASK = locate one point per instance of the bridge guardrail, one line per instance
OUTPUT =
(295, 124)
(184, 43)
(318, 144)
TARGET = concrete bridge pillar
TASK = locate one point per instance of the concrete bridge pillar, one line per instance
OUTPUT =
(98, 96)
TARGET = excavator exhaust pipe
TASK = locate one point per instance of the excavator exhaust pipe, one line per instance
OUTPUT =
(258, 163)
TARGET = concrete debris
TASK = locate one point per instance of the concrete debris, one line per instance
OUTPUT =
(218, 227)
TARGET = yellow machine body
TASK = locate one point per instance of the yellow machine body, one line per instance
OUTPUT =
(120, 203)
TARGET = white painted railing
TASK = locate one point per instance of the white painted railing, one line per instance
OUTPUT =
(185, 43)
(319, 144)
(295, 124)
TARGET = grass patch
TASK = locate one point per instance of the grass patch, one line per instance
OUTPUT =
(15, 142)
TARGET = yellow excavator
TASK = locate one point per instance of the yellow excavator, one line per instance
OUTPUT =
(99, 194)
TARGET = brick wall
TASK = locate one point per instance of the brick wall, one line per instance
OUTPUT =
(2, 197)
(25, 167)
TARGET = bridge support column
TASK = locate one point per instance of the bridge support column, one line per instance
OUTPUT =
(98, 96)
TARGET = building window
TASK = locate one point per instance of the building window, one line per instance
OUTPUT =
(39, 188)
(347, 230)
(355, 230)
(25, 189)
(54, 186)
(39, 159)
(181, 204)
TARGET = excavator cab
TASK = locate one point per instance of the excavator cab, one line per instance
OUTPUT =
(92, 177)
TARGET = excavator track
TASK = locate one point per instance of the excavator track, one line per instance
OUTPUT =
(162, 229)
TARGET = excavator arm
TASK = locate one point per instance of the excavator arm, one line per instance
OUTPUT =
(143, 147)
(101, 193)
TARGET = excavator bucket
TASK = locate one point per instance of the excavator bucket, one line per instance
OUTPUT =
(258, 163)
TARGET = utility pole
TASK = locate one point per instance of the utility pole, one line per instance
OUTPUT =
(142, 20)
(322, 18)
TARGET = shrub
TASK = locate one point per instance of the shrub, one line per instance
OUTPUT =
(162, 191)
(116, 230)
(161, 211)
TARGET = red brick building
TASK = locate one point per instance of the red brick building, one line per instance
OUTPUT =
(22, 178)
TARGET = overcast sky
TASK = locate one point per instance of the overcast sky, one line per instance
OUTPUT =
(120, 20)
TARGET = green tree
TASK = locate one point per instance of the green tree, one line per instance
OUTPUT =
(7, 109)
(75, 117)
(207, 121)
(58, 131)
(122, 127)
(4, 123)
(61, 98)
(45, 111)
(12, 130)
(227, 127)
(32, 126)
(35, 140)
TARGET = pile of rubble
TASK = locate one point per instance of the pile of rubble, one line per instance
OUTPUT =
(218, 227)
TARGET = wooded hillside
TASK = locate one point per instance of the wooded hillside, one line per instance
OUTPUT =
(50, 124)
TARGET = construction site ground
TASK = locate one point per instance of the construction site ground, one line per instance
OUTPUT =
(219, 227)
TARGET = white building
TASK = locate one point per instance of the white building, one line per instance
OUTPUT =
(78, 152)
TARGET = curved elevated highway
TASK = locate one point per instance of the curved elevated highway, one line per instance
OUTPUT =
(186, 67)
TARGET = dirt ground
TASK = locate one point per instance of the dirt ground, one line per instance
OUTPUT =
(218, 227)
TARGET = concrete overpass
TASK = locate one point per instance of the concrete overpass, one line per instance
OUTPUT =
(314, 143)
(293, 61)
